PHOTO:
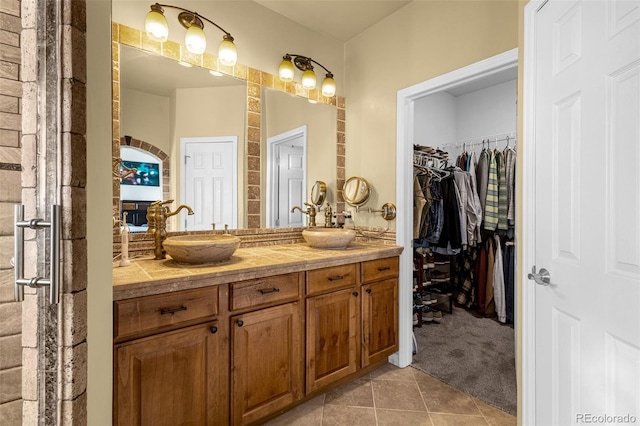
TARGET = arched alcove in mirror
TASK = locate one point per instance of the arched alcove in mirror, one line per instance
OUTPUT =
(149, 183)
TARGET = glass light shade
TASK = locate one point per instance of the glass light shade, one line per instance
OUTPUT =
(285, 71)
(195, 40)
(155, 25)
(309, 79)
(329, 87)
(227, 52)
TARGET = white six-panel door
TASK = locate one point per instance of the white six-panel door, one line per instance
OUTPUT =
(210, 182)
(583, 67)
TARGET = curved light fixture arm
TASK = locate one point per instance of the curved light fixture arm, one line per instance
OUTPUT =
(305, 59)
(196, 14)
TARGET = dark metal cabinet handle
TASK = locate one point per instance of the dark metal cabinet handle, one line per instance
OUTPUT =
(213, 329)
(355, 293)
(336, 278)
(269, 290)
(165, 311)
(240, 323)
(368, 291)
(384, 268)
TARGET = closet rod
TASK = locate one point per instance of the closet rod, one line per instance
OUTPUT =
(502, 137)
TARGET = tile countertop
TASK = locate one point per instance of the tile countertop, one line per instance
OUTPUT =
(145, 276)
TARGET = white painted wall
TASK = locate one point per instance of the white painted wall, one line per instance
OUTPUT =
(488, 111)
(146, 117)
(445, 121)
(435, 120)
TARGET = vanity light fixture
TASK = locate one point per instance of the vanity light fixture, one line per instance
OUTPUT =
(157, 29)
(305, 64)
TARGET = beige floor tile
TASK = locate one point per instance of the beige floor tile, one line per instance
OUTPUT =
(404, 397)
(397, 395)
(494, 416)
(457, 420)
(391, 372)
(402, 418)
(306, 414)
(445, 399)
(335, 415)
(356, 393)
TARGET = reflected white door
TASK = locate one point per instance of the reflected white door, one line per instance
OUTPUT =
(586, 128)
(287, 183)
(210, 183)
(290, 184)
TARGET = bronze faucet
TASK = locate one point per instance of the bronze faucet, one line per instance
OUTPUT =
(328, 216)
(157, 215)
(311, 212)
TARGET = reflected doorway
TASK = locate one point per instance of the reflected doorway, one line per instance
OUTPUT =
(286, 178)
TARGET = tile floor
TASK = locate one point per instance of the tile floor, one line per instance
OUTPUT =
(395, 396)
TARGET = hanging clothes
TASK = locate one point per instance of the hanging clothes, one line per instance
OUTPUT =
(491, 204)
(425, 185)
(419, 202)
(436, 213)
(474, 207)
(460, 185)
(510, 171)
(502, 192)
(490, 307)
(509, 278)
(480, 274)
(482, 178)
(450, 241)
(466, 262)
(498, 283)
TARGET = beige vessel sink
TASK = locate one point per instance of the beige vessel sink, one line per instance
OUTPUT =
(328, 238)
(200, 249)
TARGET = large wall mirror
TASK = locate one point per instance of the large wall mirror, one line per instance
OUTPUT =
(214, 135)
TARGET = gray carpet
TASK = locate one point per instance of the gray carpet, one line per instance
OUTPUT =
(475, 355)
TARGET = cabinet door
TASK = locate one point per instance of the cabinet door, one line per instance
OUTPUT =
(332, 337)
(179, 377)
(379, 320)
(267, 357)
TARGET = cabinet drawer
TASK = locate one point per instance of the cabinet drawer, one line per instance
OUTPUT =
(269, 290)
(144, 314)
(327, 279)
(374, 270)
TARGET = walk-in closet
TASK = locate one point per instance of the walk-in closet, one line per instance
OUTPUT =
(464, 168)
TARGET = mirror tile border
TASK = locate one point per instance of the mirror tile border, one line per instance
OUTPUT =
(256, 79)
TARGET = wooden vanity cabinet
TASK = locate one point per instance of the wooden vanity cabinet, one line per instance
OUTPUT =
(171, 377)
(238, 353)
(332, 306)
(267, 347)
(379, 309)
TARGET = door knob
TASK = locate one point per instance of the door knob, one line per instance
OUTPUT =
(542, 278)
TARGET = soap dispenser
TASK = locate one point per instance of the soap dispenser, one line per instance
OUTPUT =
(124, 242)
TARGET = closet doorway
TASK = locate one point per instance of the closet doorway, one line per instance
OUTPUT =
(422, 120)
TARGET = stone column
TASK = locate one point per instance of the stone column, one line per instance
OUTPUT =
(10, 171)
(54, 172)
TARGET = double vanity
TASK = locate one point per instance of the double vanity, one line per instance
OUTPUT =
(243, 340)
